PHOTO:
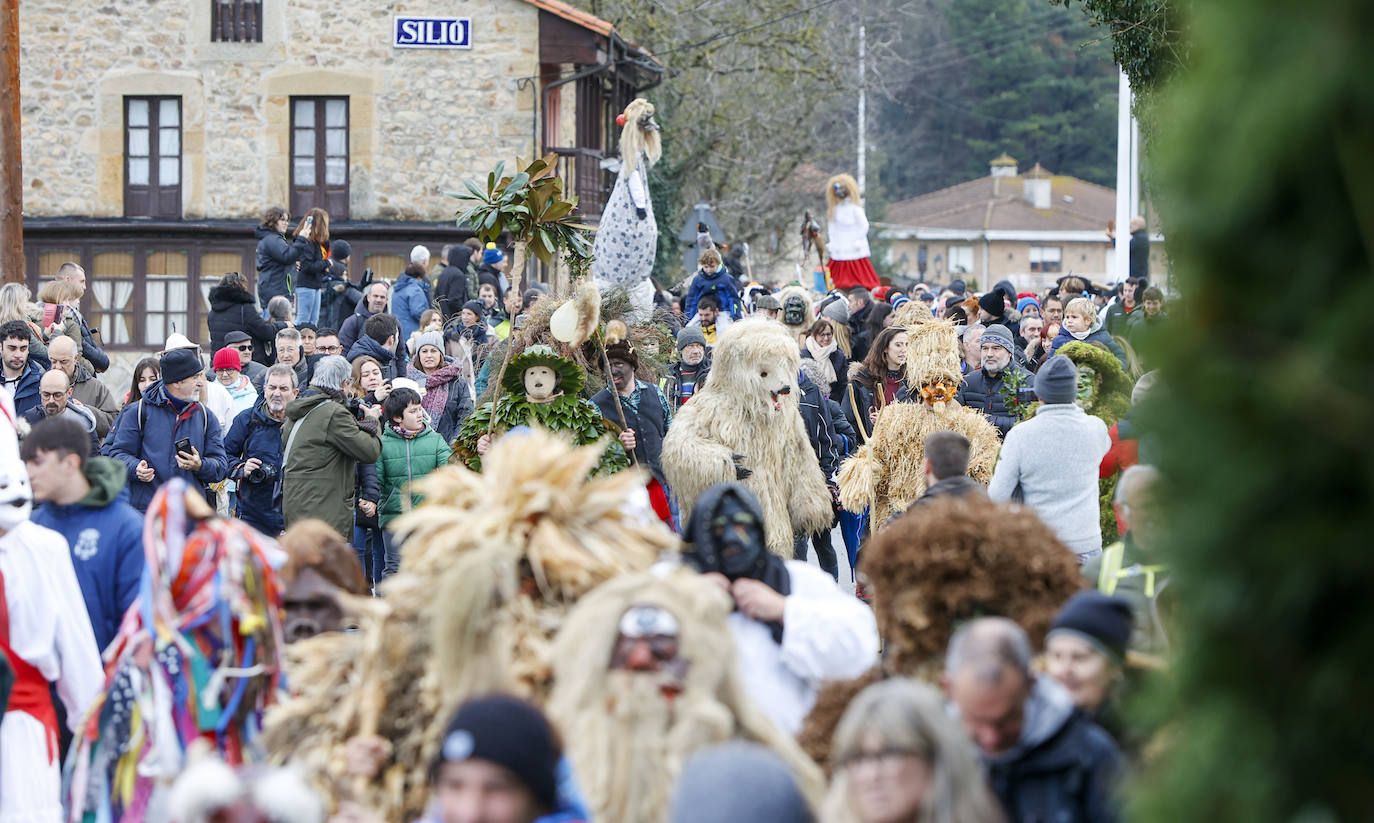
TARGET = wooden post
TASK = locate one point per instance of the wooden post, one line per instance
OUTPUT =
(11, 151)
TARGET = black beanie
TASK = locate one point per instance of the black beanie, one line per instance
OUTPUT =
(510, 733)
(1103, 621)
(993, 303)
(179, 364)
(477, 307)
(340, 250)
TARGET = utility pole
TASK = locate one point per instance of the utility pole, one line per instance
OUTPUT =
(863, 99)
(1127, 177)
(11, 150)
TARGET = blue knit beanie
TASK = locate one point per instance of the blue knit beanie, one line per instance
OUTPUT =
(493, 255)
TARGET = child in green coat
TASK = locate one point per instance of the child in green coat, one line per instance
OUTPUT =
(410, 450)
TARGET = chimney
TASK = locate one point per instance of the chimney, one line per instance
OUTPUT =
(1004, 166)
(1035, 187)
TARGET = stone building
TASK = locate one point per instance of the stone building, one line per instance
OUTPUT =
(1030, 228)
(155, 134)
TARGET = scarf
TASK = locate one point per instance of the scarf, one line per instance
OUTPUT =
(821, 354)
(437, 385)
(404, 432)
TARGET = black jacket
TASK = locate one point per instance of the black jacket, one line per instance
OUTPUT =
(233, 309)
(314, 265)
(93, 353)
(840, 364)
(451, 289)
(858, 334)
(352, 328)
(1140, 256)
(820, 428)
(983, 392)
(649, 423)
(1069, 775)
(277, 258)
(387, 359)
(673, 387)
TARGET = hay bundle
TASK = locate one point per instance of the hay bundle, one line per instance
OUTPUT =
(492, 562)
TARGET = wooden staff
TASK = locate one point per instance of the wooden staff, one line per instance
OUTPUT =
(615, 395)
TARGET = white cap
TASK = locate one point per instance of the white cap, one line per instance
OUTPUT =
(419, 254)
(407, 383)
(178, 341)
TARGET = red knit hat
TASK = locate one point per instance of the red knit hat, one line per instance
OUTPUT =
(228, 358)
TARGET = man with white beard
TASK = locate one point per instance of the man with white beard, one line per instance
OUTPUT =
(253, 447)
(644, 675)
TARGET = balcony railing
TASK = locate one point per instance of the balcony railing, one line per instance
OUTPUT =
(583, 176)
(236, 21)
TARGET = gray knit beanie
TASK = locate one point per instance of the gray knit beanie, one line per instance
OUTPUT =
(1057, 380)
(997, 333)
(429, 338)
(690, 335)
(837, 309)
(734, 782)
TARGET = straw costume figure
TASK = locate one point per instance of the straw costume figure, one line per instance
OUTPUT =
(493, 563)
(644, 675)
(745, 425)
(940, 565)
(886, 472)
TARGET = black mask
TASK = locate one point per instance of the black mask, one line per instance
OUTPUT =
(727, 534)
(794, 310)
(738, 536)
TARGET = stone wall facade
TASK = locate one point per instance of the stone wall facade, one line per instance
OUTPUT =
(421, 120)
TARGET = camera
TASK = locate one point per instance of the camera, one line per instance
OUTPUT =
(355, 407)
(262, 474)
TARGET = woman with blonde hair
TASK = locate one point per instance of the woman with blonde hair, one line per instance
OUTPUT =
(901, 759)
(312, 241)
(848, 229)
(58, 310)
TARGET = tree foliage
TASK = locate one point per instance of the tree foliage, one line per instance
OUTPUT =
(753, 91)
(1146, 36)
(1264, 174)
(980, 77)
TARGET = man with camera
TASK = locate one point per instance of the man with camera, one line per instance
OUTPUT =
(254, 449)
(323, 441)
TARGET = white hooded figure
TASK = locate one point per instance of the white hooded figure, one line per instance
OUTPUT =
(627, 238)
(45, 637)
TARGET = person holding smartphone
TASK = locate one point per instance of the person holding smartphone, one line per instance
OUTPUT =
(170, 433)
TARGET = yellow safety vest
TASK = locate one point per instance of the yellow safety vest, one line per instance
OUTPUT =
(1111, 572)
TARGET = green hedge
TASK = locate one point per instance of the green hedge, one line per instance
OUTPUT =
(1265, 164)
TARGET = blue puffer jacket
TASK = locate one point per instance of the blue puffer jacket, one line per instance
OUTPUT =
(409, 300)
(256, 434)
(105, 536)
(148, 430)
(26, 388)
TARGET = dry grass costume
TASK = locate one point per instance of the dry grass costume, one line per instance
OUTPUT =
(941, 564)
(746, 417)
(630, 720)
(885, 474)
(493, 561)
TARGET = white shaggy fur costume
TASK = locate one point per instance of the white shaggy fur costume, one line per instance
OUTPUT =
(741, 412)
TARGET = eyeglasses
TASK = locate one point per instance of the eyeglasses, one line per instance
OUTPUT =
(334, 349)
(882, 757)
(51, 395)
(245, 347)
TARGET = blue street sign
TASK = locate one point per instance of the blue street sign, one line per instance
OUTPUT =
(431, 32)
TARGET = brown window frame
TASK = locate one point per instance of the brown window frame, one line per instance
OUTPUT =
(1046, 266)
(236, 21)
(153, 200)
(331, 198)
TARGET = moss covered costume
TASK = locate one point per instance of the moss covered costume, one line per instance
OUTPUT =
(567, 413)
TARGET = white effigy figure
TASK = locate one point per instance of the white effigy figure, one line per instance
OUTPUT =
(46, 639)
(627, 238)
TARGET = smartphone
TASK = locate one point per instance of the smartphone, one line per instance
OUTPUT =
(183, 446)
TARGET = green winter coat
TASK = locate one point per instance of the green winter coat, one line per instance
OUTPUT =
(405, 460)
(318, 475)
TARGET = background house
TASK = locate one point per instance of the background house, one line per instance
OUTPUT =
(156, 134)
(1030, 228)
